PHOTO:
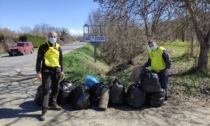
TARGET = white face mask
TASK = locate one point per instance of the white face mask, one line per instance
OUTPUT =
(52, 40)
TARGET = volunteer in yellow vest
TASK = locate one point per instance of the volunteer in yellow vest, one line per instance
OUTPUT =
(160, 63)
(49, 68)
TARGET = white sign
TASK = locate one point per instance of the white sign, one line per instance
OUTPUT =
(95, 39)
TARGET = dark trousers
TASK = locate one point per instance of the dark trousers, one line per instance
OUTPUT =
(50, 87)
(163, 79)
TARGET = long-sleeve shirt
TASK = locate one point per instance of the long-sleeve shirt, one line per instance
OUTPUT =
(40, 65)
(166, 58)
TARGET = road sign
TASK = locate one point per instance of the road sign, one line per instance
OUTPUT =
(95, 39)
(94, 34)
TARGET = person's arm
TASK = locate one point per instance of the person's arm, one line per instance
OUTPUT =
(61, 59)
(166, 58)
(39, 59)
(148, 63)
(61, 62)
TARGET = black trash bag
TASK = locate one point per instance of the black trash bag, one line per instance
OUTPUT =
(135, 96)
(149, 81)
(64, 91)
(117, 93)
(38, 98)
(80, 97)
(156, 99)
(95, 93)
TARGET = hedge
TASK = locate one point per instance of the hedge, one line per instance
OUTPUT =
(35, 39)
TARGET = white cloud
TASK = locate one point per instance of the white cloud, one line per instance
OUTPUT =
(76, 32)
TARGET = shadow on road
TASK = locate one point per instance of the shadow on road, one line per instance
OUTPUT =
(25, 109)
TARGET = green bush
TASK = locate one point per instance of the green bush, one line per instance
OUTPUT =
(35, 39)
(1, 37)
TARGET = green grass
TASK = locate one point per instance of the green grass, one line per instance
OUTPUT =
(184, 79)
(80, 62)
(178, 53)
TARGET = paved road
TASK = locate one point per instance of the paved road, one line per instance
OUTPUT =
(17, 108)
(7, 61)
(18, 85)
(23, 67)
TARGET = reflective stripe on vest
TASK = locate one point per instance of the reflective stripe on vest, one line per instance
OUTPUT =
(157, 61)
(51, 56)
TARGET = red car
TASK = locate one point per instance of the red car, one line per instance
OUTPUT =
(22, 48)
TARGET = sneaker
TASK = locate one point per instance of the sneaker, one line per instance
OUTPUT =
(165, 102)
(55, 106)
(44, 113)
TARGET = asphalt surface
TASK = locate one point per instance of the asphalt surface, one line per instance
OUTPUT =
(13, 61)
(18, 86)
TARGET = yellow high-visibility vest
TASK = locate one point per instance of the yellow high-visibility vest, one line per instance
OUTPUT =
(157, 61)
(51, 56)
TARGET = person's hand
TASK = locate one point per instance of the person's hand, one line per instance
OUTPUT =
(166, 72)
(39, 76)
(62, 75)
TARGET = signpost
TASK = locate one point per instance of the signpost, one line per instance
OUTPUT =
(95, 39)
(94, 34)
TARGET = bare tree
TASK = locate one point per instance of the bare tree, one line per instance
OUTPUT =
(123, 35)
(41, 29)
(146, 13)
(25, 29)
(64, 34)
(8, 38)
(150, 15)
(199, 11)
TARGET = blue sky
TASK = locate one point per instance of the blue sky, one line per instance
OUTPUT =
(70, 14)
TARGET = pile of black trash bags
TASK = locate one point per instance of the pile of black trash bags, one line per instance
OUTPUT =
(92, 92)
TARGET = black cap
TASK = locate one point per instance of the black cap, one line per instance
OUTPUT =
(150, 41)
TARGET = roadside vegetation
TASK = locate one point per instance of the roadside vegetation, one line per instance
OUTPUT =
(36, 35)
(184, 78)
(80, 62)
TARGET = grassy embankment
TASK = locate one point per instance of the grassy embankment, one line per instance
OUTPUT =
(80, 62)
(183, 79)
